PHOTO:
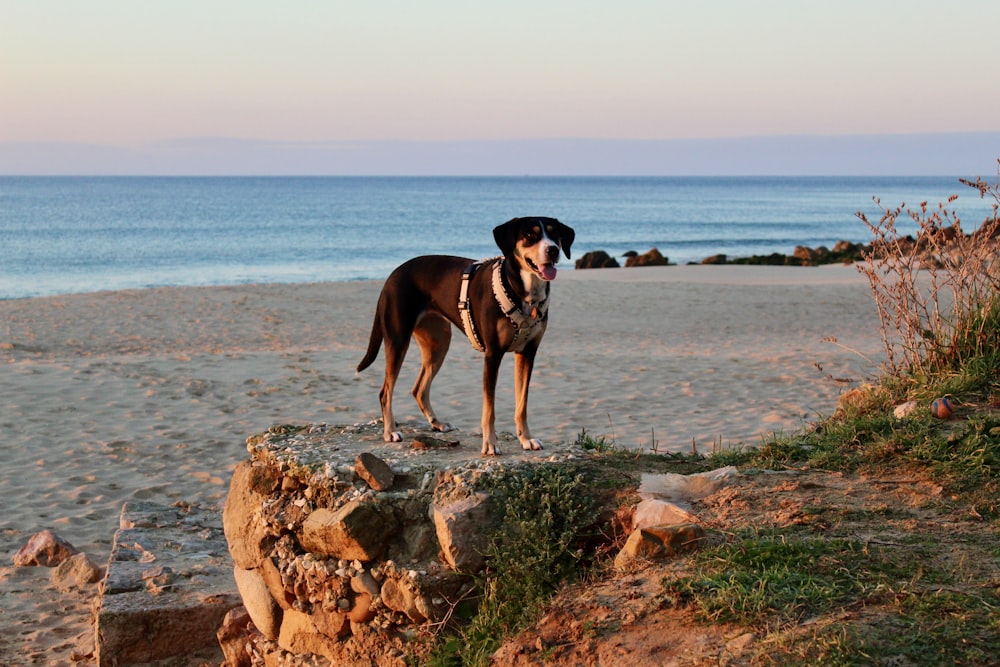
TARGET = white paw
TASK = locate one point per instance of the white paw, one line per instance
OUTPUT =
(395, 436)
(442, 427)
(534, 444)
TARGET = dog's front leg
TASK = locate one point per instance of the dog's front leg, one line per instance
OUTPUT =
(523, 363)
(491, 369)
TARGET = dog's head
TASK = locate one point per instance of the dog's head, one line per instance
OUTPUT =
(534, 244)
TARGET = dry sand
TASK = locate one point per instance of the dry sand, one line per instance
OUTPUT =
(149, 394)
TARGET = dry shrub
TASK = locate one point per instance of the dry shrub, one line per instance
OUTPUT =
(937, 294)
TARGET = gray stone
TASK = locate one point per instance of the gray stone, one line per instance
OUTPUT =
(135, 625)
(461, 531)
(261, 606)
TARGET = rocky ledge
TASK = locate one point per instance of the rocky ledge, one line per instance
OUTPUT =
(350, 550)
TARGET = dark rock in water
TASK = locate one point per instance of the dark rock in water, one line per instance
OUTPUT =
(652, 258)
(598, 259)
(843, 252)
(774, 259)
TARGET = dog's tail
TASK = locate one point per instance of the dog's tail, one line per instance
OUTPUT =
(374, 343)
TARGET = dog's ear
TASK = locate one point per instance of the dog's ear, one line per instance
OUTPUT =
(564, 237)
(506, 236)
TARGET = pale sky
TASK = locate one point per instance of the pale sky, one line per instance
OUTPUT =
(130, 72)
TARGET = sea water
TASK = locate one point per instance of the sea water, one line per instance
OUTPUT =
(78, 234)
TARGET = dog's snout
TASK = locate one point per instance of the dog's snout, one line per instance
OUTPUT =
(552, 253)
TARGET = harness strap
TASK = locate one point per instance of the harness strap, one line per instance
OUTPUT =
(464, 308)
(524, 323)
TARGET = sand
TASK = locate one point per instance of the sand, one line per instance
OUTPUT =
(150, 394)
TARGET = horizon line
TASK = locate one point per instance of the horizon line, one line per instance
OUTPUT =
(903, 154)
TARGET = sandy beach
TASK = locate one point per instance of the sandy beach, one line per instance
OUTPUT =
(150, 394)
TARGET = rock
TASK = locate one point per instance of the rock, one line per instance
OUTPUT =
(721, 258)
(183, 548)
(400, 596)
(376, 472)
(272, 579)
(158, 579)
(651, 258)
(247, 535)
(845, 251)
(234, 636)
(300, 635)
(365, 583)
(659, 542)
(334, 624)
(77, 570)
(904, 410)
(427, 442)
(597, 259)
(682, 489)
(357, 531)
(45, 549)
(811, 256)
(652, 512)
(362, 611)
(264, 611)
(460, 531)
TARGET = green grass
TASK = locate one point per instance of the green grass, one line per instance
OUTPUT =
(547, 515)
(771, 578)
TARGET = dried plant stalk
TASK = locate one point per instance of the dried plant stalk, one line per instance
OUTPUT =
(933, 292)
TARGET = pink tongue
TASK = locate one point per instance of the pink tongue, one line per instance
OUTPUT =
(549, 272)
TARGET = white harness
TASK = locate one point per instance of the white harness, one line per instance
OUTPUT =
(525, 324)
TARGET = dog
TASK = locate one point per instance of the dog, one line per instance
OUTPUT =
(500, 304)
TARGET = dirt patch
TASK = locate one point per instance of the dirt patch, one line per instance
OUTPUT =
(620, 619)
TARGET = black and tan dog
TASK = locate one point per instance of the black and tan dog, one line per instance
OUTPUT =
(501, 304)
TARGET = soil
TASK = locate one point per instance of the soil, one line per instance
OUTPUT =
(618, 619)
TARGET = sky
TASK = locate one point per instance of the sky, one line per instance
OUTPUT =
(132, 73)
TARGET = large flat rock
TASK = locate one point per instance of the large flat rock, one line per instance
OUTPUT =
(168, 586)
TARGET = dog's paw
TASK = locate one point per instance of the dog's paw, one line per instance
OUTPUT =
(534, 444)
(442, 427)
(395, 436)
(490, 449)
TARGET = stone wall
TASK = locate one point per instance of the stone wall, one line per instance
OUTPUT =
(355, 551)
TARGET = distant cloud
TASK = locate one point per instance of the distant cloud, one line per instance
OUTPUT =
(941, 154)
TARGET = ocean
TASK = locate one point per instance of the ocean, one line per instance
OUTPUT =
(62, 235)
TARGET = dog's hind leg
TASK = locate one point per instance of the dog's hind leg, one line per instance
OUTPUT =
(433, 335)
(523, 363)
(394, 355)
